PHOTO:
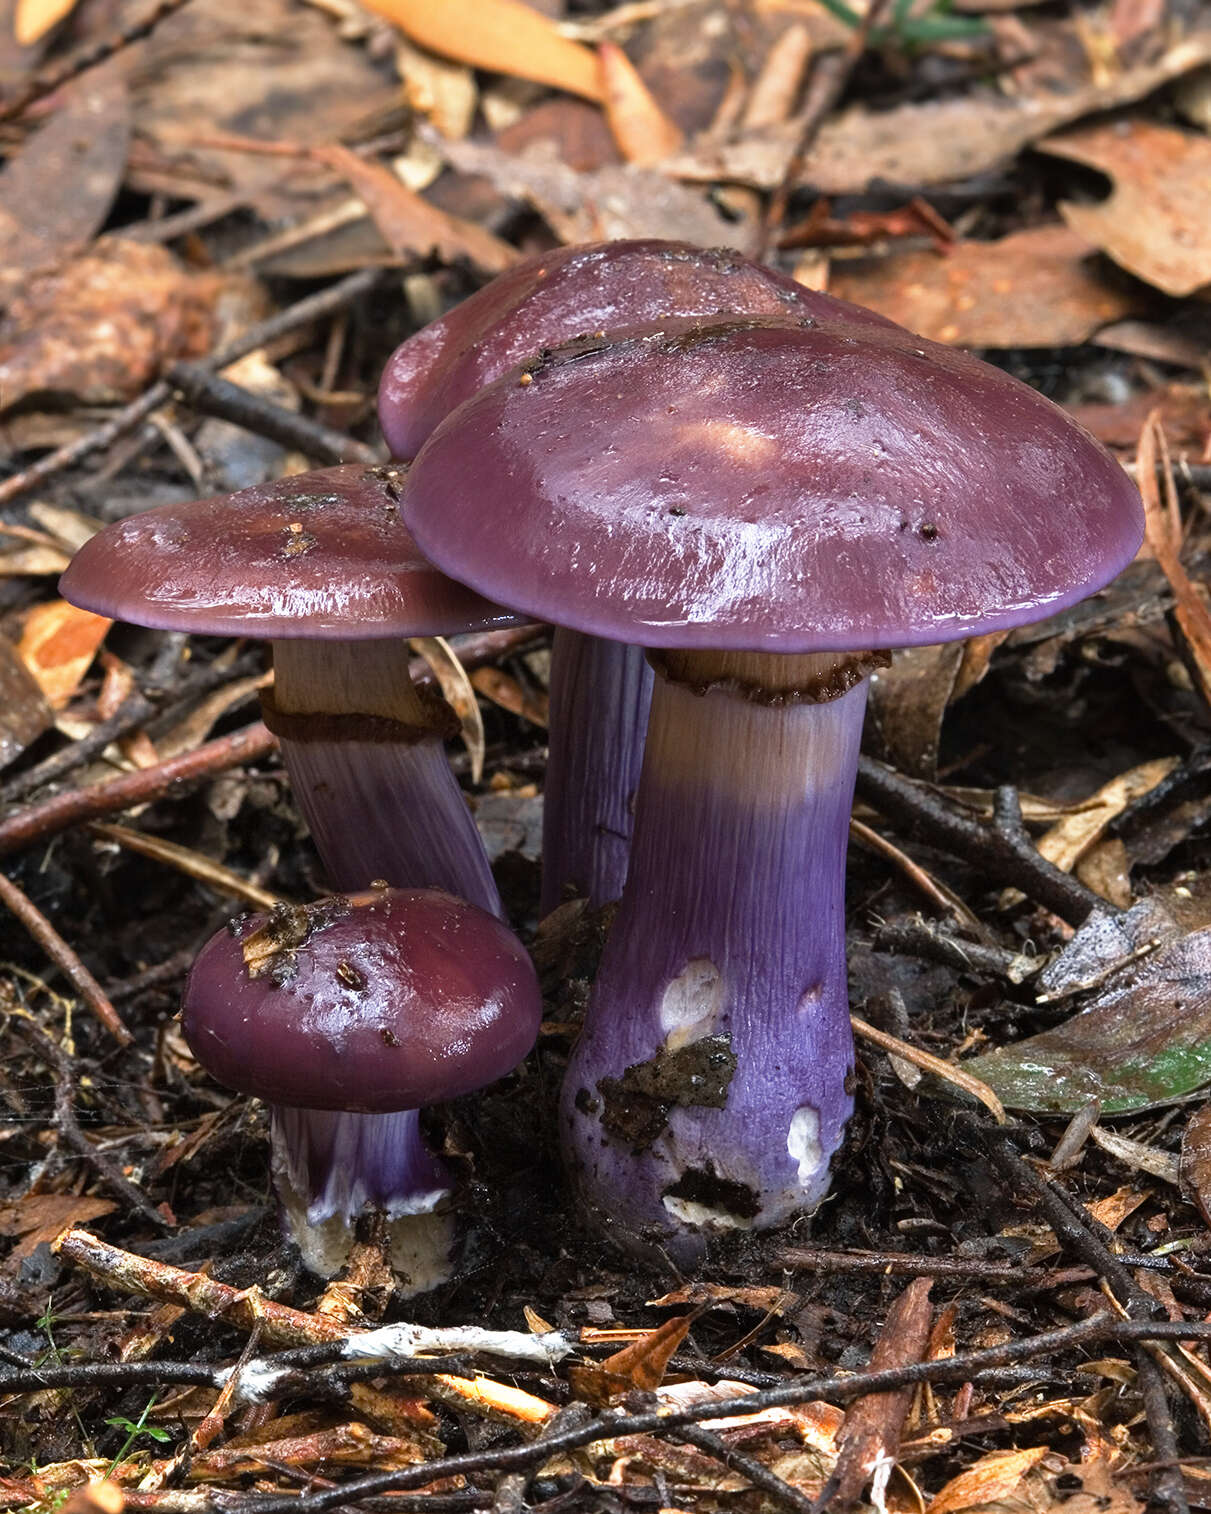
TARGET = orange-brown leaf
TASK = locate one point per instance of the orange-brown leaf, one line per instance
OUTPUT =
(505, 36)
(58, 644)
(642, 1364)
(643, 132)
(410, 224)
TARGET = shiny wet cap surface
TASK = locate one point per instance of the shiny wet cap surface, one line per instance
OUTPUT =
(407, 999)
(555, 296)
(323, 554)
(770, 485)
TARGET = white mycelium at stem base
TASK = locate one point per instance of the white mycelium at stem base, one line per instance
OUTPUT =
(709, 1088)
(364, 750)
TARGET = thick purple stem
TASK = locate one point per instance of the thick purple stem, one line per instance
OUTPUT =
(600, 694)
(709, 1088)
(390, 810)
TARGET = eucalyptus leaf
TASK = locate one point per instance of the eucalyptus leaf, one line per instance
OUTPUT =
(1141, 1044)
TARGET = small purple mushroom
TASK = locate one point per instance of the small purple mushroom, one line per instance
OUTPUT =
(766, 505)
(378, 1003)
(600, 689)
(322, 566)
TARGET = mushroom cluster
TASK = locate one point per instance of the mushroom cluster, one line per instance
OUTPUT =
(768, 505)
(731, 496)
(380, 1002)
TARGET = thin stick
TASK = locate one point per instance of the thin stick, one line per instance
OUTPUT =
(210, 395)
(61, 811)
(185, 860)
(64, 958)
(313, 308)
(936, 1065)
(68, 1125)
(1004, 850)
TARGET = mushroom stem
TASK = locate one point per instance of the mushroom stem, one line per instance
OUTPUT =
(329, 1166)
(600, 694)
(710, 1086)
(364, 750)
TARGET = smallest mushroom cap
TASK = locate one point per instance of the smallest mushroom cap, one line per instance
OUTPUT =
(383, 1001)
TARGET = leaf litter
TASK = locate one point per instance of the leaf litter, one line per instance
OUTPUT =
(393, 160)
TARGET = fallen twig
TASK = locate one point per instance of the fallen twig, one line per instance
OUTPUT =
(64, 958)
(312, 308)
(1004, 850)
(210, 395)
(61, 811)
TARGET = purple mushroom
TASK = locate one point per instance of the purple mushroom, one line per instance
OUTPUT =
(766, 505)
(600, 689)
(322, 565)
(378, 1003)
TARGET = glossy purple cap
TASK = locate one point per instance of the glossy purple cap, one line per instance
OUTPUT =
(321, 554)
(762, 485)
(391, 1000)
(576, 291)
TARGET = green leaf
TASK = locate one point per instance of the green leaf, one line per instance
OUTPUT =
(1141, 1045)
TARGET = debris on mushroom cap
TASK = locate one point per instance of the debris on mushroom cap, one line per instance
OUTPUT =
(555, 296)
(322, 554)
(385, 1001)
(759, 484)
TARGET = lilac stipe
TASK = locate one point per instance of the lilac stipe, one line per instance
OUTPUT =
(341, 1165)
(762, 485)
(597, 731)
(723, 978)
(321, 554)
(593, 766)
(391, 810)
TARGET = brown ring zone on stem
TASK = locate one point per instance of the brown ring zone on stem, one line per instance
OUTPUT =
(331, 690)
(769, 678)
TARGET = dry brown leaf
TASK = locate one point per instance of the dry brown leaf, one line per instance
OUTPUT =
(24, 711)
(459, 694)
(1155, 222)
(927, 144)
(57, 190)
(58, 643)
(32, 19)
(504, 36)
(496, 685)
(643, 132)
(1106, 869)
(1116, 1207)
(438, 89)
(993, 1478)
(1195, 1169)
(642, 1364)
(272, 68)
(907, 701)
(1070, 838)
(41, 1216)
(1163, 535)
(776, 87)
(613, 202)
(409, 224)
(869, 1439)
(1137, 1154)
(774, 1300)
(101, 327)
(1035, 288)
(100, 1495)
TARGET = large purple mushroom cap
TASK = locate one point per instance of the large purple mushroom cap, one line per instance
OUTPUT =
(769, 485)
(322, 554)
(385, 1001)
(556, 296)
